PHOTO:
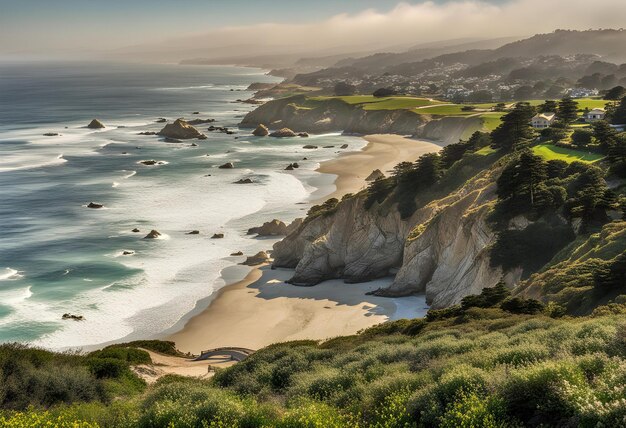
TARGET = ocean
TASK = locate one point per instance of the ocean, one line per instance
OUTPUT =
(58, 256)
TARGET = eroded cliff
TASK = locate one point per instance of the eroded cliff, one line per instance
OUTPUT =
(442, 249)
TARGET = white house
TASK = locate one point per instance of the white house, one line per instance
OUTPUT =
(542, 120)
(595, 115)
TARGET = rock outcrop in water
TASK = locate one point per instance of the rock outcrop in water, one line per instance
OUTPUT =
(95, 124)
(180, 130)
(442, 249)
(261, 131)
(153, 234)
(283, 133)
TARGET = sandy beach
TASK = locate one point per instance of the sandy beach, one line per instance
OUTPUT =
(262, 309)
(384, 151)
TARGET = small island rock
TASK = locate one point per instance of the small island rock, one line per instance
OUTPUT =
(94, 205)
(153, 234)
(261, 131)
(282, 133)
(217, 236)
(179, 130)
(227, 165)
(95, 124)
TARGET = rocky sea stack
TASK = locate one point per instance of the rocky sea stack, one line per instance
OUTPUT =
(180, 130)
(261, 131)
(95, 124)
(153, 234)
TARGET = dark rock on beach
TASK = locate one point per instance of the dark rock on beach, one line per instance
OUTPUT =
(135, 230)
(344, 146)
(303, 134)
(244, 181)
(259, 258)
(51, 134)
(309, 146)
(147, 133)
(217, 236)
(193, 232)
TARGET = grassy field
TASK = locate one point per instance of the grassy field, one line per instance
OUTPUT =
(491, 120)
(444, 110)
(551, 152)
(370, 102)
(583, 103)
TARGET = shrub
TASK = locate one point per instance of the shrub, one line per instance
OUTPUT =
(517, 305)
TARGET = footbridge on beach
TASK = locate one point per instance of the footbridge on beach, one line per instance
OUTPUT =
(235, 354)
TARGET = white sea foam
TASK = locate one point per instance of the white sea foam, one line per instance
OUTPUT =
(9, 274)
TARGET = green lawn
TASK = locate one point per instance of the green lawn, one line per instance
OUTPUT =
(491, 120)
(551, 152)
(444, 110)
(384, 103)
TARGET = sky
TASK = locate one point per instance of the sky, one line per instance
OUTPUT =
(91, 26)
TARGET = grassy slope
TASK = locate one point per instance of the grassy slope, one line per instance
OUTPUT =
(552, 152)
(481, 368)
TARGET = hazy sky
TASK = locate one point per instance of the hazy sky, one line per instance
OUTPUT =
(49, 26)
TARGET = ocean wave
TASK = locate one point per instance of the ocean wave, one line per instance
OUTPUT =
(131, 174)
(58, 160)
(10, 274)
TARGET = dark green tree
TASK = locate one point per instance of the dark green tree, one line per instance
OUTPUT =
(343, 89)
(615, 94)
(568, 110)
(618, 116)
(604, 134)
(582, 137)
(549, 106)
(377, 191)
(515, 131)
(522, 176)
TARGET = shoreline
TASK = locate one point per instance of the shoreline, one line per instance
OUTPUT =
(262, 309)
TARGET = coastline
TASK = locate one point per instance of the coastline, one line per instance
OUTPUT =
(262, 309)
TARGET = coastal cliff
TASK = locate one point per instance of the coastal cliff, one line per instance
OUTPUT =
(441, 249)
(334, 115)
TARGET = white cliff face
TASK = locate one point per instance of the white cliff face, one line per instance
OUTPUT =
(442, 249)
(449, 259)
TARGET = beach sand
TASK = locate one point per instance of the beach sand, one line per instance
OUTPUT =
(384, 151)
(262, 309)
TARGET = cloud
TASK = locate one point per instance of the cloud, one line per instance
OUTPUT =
(410, 24)
(404, 25)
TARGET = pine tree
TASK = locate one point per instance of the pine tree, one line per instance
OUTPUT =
(568, 110)
(618, 116)
(549, 106)
(515, 131)
(604, 134)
